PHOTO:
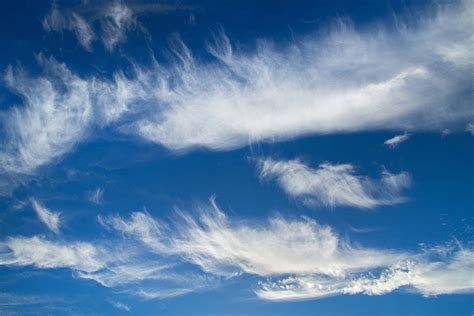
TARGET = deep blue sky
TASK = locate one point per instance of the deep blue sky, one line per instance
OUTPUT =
(244, 134)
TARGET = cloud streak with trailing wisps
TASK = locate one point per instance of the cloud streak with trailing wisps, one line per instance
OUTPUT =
(334, 184)
(307, 259)
(310, 86)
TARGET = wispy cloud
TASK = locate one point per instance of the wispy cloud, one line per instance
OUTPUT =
(319, 262)
(120, 305)
(117, 20)
(446, 275)
(470, 128)
(311, 86)
(49, 218)
(58, 20)
(334, 185)
(54, 118)
(110, 22)
(58, 112)
(397, 140)
(308, 260)
(316, 86)
(223, 247)
(42, 253)
(96, 196)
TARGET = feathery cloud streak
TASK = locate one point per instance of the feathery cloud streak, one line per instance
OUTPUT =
(311, 259)
(316, 86)
(46, 254)
(397, 140)
(115, 19)
(222, 247)
(312, 86)
(320, 262)
(334, 185)
(49, 218)
(448, 274)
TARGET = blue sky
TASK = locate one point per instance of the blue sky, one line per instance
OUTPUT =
(236, 158)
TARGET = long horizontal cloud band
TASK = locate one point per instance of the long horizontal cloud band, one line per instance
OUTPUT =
(344, 81)
(309, 260)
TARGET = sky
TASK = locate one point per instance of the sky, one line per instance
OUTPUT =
(236, 157)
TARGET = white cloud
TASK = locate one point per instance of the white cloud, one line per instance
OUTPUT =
(470, 128)
(120, 265)
(334, 185)
(449, 275)
(311, 259)
(120, 305)
(117, 20)
(49, 218)
(46, 254)
(54, 118)
(397, 140)
(316, 85)
(156, 259)
(96, 196)
(223, 247)
(312, 86)
(124, 273)
(109, 22)
(59, 110)
(58, 20)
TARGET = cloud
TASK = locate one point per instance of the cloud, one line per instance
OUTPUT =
(57, 21)
(120, 305)
(397, 140)
(311, 86)
(109, 22)
(58, 112)
(50, 219)
(117, 20)
(315, 85)
(55, 116)
(46, 254)
(470, 128)
(96, 196)
(447, 275)
(334, 185)
(115, 264)
(162, 259)
(223, 247)
(309, 260)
